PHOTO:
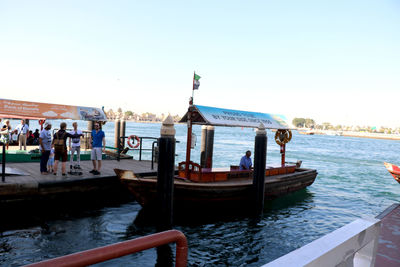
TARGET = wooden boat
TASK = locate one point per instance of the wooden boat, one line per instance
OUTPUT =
(235, 192)
(394, 171)
(200, 186)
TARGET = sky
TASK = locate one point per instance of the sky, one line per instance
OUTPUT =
(332, 61)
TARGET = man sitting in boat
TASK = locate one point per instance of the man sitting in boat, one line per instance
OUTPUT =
(245, 162)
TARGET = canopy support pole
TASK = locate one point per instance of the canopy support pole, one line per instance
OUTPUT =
(189, 139)
(283, 150)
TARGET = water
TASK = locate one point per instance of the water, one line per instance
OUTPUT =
(351, 183)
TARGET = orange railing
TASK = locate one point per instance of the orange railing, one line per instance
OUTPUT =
(117, 250)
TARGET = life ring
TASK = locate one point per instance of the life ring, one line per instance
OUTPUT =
(137, 141)
(283, 136)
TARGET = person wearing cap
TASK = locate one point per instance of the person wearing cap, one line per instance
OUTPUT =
(45, 147)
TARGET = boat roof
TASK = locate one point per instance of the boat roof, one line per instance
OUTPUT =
(15, 109)
(204, 115)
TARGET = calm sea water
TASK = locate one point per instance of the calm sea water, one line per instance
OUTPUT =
(351, 183)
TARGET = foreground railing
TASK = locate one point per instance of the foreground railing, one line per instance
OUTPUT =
(117, 250)
(354, 244)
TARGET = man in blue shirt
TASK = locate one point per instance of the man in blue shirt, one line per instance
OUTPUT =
(98, 141)
(245, 162)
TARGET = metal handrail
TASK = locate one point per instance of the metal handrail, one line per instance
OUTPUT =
(97, 255)
(140, 146)
(122, 142)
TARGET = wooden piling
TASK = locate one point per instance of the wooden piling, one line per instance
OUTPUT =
(210, 146)
(122, 129)
(90, 126)
(203, 146)
(117, 134)
(165, 175)
(260, 158)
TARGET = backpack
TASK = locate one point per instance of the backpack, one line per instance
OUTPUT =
(59, 142)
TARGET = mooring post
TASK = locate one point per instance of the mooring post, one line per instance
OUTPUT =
(203, 146)
(3, 164)
(210, 146)
(116, 133)
(122, 128)
(117, 141)
(260, 158)
(90, 126)
(165, 175)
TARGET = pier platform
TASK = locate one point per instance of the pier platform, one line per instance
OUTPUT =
(388, 253)
(23, 181)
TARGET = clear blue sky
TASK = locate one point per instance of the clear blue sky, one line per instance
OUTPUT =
(335, 61)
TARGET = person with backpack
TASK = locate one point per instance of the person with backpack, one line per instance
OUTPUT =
(60, 148)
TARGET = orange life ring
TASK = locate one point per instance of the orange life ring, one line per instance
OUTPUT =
(283, 136)
(137, 141)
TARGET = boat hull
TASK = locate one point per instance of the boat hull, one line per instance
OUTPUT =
(232, 193)
(393, 170)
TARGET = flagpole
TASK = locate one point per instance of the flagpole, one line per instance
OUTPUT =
(194, 73)
(189, 134)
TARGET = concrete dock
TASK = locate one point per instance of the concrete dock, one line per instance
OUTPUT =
(23, 181)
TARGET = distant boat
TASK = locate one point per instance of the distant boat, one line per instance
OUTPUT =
(334, 133)
(394, 171)
(307, 132)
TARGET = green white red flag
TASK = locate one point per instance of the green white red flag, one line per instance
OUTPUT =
(196, 82)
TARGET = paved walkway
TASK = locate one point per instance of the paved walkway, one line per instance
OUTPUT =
(30, 182)
(388, 254)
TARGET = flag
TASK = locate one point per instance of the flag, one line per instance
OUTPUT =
(196, 82)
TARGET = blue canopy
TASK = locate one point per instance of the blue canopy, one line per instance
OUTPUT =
(235, 118)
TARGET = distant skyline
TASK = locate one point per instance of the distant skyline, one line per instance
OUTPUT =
(332, 61)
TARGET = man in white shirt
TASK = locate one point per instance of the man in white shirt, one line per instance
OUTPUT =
(22, 131)
(75, 146)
